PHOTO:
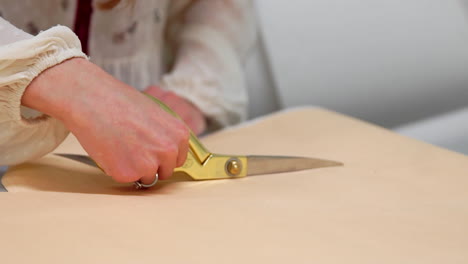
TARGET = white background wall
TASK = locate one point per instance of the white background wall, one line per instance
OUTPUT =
(262, 90)
(386, 61)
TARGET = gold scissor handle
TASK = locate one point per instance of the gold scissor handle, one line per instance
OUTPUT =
(204, 165)
(198, 150)
(215, 167)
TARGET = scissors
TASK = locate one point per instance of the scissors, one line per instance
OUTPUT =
(201, 164)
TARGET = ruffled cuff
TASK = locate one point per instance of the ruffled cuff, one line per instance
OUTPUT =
(23, 138)
(22, 61)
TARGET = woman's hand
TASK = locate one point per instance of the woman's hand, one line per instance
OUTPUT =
(127, 134)
(191, 115)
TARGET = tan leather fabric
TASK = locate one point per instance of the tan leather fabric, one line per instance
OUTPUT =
(396, 200)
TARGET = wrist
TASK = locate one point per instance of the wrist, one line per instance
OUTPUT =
(57, 90)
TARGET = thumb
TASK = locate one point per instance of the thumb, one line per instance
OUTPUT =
(155, 91)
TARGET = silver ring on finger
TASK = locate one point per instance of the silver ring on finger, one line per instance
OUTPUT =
(139, 185)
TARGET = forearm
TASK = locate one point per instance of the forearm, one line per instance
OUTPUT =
(65, 90)
(51, 93)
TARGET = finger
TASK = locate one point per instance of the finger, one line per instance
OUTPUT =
(191, 124)
(156, 92)
(123, 174)
(183, 152)
(195, 121)
(200, 124)
(149, 178)
(172, 100)
(166, 169)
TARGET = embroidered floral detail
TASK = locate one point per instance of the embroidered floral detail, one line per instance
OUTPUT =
(157, 16)
(31, 28)
(64, 4)
(119, 37)
(132, 28)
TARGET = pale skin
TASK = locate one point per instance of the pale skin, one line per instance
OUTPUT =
(191, 115)
(127, 134)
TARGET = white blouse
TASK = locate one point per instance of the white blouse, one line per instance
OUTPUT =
(131, 42)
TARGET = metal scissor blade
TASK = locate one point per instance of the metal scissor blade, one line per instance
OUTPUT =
(257, 165)
(80, 158)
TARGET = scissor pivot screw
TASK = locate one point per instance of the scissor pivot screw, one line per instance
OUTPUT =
(233, 167)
